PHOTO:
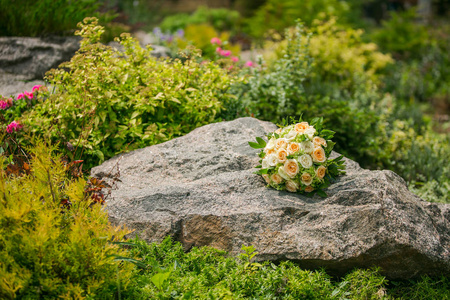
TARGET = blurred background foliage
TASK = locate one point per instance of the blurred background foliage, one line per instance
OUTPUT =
(377, 71)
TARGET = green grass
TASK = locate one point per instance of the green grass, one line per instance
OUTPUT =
(207, 273)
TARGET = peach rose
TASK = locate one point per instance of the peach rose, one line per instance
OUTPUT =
(306, 179)
(318, 155)
(276, 178)
(291, 167)
(278, 131)
(291, 186)
(301, 127)
(293, 148)
(309, 189)
(281, 155)
(318, 141)
(270, 151)
(266, 178)
(280, 144)
(321, 170)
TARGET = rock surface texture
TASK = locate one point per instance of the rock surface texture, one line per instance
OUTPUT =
(201, 190)
(32, 57)
(25, 60)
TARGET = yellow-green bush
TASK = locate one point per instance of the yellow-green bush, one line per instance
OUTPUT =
(341, 61)
(47, 251)
(108, 102)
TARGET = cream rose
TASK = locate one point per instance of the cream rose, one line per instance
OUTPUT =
(266, 178)
(265, 163)
(280, 144)
(281, 155)
(307, 147)
(270, 145)
(278, 131)
(309, 189)
(272, 160)
(283, 173)
(276, 178)
(305, 160)
(291, 186)
(321, 170)
(318, 155)
(318, 141)
(291, 167)
(293, 148)
(301, 127)
(290, 135)
(310, 132)
(306, 178)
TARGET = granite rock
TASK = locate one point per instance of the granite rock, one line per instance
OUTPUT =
(201, 190)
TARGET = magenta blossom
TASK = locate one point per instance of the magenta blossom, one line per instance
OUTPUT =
(36, 88)
(28, 94)
(4, 104)
(14, 126)
(216, 40)
(218, 50)
(225, 53)
(20, 96)
(235, 59)
(249, 64)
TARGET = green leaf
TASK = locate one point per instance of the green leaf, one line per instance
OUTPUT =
(321, 193)
(159, 279)
(262, 171)
(261, 142)
(255, 145)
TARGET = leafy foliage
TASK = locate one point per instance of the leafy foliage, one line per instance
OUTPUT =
(221, 19)
(48, 250)
(108, 102)
(45, 17)
(208, 273)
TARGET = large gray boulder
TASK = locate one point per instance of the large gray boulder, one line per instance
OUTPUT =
(32, 57)
(25, 60)
(201, 190)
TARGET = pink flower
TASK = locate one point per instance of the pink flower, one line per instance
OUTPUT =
(249, 64)
(235, 59)
(28, 94)
(225, 53)
(36, 88)
(14, 126)
(3, 104)
(216, 40)
(20, 96)
(218, 50)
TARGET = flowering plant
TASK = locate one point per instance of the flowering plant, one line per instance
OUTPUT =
(296, 158)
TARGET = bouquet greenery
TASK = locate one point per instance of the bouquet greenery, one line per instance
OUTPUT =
(296, 158)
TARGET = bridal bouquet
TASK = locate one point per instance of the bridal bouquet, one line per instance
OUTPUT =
(296, 158)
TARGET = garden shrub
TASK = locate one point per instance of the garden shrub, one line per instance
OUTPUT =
(208, 273)
(49, 250)
(46, 17)
(402, 35)
(221, 19)
(342, 65)
(107, 102)
(276, 15)
(280, 91)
